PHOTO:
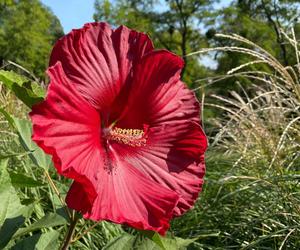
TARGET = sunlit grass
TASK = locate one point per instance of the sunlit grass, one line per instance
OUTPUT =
(251, 197)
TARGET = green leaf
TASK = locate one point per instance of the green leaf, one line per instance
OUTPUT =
(8, 117)
(20, 180)
(177, 243)
(27, 91)
(46, 241)
(10, 203)
(155, 237)
(12, 212)
(38, 90)
(127, 241)
(10, 77)
(24, 129)
(49, 220)
(123, 242)
(8, 229)
(26, 95)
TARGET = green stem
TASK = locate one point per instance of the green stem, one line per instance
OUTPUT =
(68, 238)
(55, 189)
(79, 236)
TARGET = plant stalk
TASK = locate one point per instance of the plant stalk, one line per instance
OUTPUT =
(53, 186)
(68, 238)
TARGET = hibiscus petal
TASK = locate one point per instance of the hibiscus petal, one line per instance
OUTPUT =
(127, 196)
(174, 158)
(157, 95)
(66, 126)
(178, 163)
(174, 154)
(99, 60)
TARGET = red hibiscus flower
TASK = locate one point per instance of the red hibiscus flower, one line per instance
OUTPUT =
(118, 120)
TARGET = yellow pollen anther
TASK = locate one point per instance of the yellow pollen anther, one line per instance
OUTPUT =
(132, 137)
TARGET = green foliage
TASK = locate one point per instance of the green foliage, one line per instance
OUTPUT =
(15, 213)
(24, 129)
(12, 212)
(251, 198)
(26, 90)
(49, 220)
(45, 241)
(259, 21)
(28, 30)
(139, 242)
(19, 180)
(243, 206)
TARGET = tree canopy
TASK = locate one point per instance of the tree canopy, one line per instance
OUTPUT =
(28, 29)
(261, 21)
(185, 26)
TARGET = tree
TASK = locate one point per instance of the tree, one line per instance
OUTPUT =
(172, 24)
(260, 21)
(28, 29)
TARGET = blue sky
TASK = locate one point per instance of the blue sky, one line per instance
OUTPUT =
(74, 13)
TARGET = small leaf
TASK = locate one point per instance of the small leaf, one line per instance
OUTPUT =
(155, 237)
(20, 180)
(8, 117)
(27, 91)
(12, 212)
(26, 95)
(46, 241)
(177, 243)
(38, 90)
(24, 129)
(127, 241)
(49, 220)
(122, 242)
(8, 229)
(10, 205)
(9, 77)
